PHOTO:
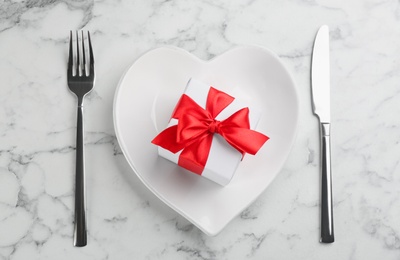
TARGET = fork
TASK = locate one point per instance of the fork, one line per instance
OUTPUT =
(81, 77)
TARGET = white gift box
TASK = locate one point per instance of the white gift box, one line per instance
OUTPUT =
(223, 159)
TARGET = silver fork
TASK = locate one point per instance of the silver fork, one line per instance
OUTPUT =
(81, 79)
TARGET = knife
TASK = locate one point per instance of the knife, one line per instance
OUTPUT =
(321, 105)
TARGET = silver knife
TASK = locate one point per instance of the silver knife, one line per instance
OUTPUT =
(321, 104)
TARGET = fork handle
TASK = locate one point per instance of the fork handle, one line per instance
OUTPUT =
(327, 235)
(80, 237)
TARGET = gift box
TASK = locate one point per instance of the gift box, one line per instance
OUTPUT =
(209, 132)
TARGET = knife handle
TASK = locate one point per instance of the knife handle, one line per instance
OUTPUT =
(326, 188)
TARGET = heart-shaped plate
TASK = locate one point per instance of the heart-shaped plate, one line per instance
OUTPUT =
(145, 99)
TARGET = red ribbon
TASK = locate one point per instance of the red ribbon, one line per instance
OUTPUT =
(196, 126)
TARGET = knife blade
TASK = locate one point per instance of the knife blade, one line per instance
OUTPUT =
(320, 86)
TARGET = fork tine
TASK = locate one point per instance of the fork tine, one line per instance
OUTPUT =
(78, 64)
(70, 55)
(83, 55)
(91, 57)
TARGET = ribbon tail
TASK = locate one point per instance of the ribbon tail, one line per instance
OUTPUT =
(194, 157)
(245, 140)
(167, 139)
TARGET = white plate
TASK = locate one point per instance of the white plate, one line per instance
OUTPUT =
(144, 101)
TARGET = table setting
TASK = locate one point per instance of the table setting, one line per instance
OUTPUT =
(199, 130)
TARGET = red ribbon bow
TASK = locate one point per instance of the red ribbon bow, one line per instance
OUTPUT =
(196, 127)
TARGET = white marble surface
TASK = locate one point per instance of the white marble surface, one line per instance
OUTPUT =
(125, 220)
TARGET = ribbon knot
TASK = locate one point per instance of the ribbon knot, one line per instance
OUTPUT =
(213, 127)
(196, 127)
